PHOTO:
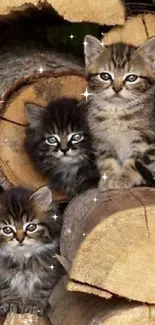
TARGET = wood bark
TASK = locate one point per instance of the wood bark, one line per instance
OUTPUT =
(109, 244)
(81, 309)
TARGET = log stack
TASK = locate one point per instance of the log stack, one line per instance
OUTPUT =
(108, 240)
(108, 250)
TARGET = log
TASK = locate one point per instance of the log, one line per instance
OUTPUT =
(110, 13)
(124, 33)
(21, 82)
(143, 26)
(26, 319)
(109, 243)
(81, 309)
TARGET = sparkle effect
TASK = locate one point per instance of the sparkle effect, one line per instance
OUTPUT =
(84, 234)
(41, 69)
(55, 217)
(104, 177)
(71, 36)
(95, 199)
(85, 43)
(86, 94)
(52, 267)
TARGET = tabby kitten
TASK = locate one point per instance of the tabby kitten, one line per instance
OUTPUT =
(59, 143)
(121, 109)
(29, 240)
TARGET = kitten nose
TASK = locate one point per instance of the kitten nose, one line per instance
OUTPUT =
(20, 235)
(117, 88)
(64, 150)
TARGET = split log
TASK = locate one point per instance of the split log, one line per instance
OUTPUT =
(21, 82)
(100, 12)
(142, 25)
(109, 243)
(26, 319)
(81, 309)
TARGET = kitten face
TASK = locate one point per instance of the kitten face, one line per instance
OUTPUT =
(23, 233)
(117, 73)
(64, 145)
(58, 134)
(21, 227)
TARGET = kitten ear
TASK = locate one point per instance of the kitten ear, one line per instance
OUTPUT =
(147, 51)
(92, 48)
(34, 113)
(41, 199)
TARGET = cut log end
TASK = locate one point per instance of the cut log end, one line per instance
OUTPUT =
(117, 252)
(76, 308)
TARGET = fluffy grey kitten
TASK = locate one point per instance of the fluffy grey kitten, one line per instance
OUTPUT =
(29, 240)
(121, 109)
(58, 142)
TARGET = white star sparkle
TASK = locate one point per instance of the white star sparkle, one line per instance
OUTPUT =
(95, 199)
(84, 234)
(52, 267)
(71, 36)
(41, 69)
(104, 177)
(86, 94)
(85, 43)
(55, 217)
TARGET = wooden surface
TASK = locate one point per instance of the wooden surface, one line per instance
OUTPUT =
(26, 319)
(100, 11)
(81, 309)
(135, 30)
(110, 244)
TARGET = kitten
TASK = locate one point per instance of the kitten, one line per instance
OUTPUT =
(121, 114)
(59, 143)
(29, 240)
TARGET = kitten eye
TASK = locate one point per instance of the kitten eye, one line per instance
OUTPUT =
(105, 76)
(131, 78)
(31, 227)
(52, 141)
(7, 230)
(77, 137)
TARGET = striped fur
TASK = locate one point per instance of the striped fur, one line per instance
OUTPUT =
(121, 109)
(29, 269)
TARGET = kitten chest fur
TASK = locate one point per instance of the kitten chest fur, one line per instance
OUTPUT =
(120, 130)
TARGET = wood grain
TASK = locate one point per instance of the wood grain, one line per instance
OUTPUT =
(110, 244)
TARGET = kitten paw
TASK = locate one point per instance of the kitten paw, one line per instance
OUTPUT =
(8, 308)
(116, 183)
(4, 309)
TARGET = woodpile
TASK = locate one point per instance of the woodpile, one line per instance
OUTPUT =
(80, 309)
(108, 239)
(107, 248)
(100, 12)
(109, 244)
